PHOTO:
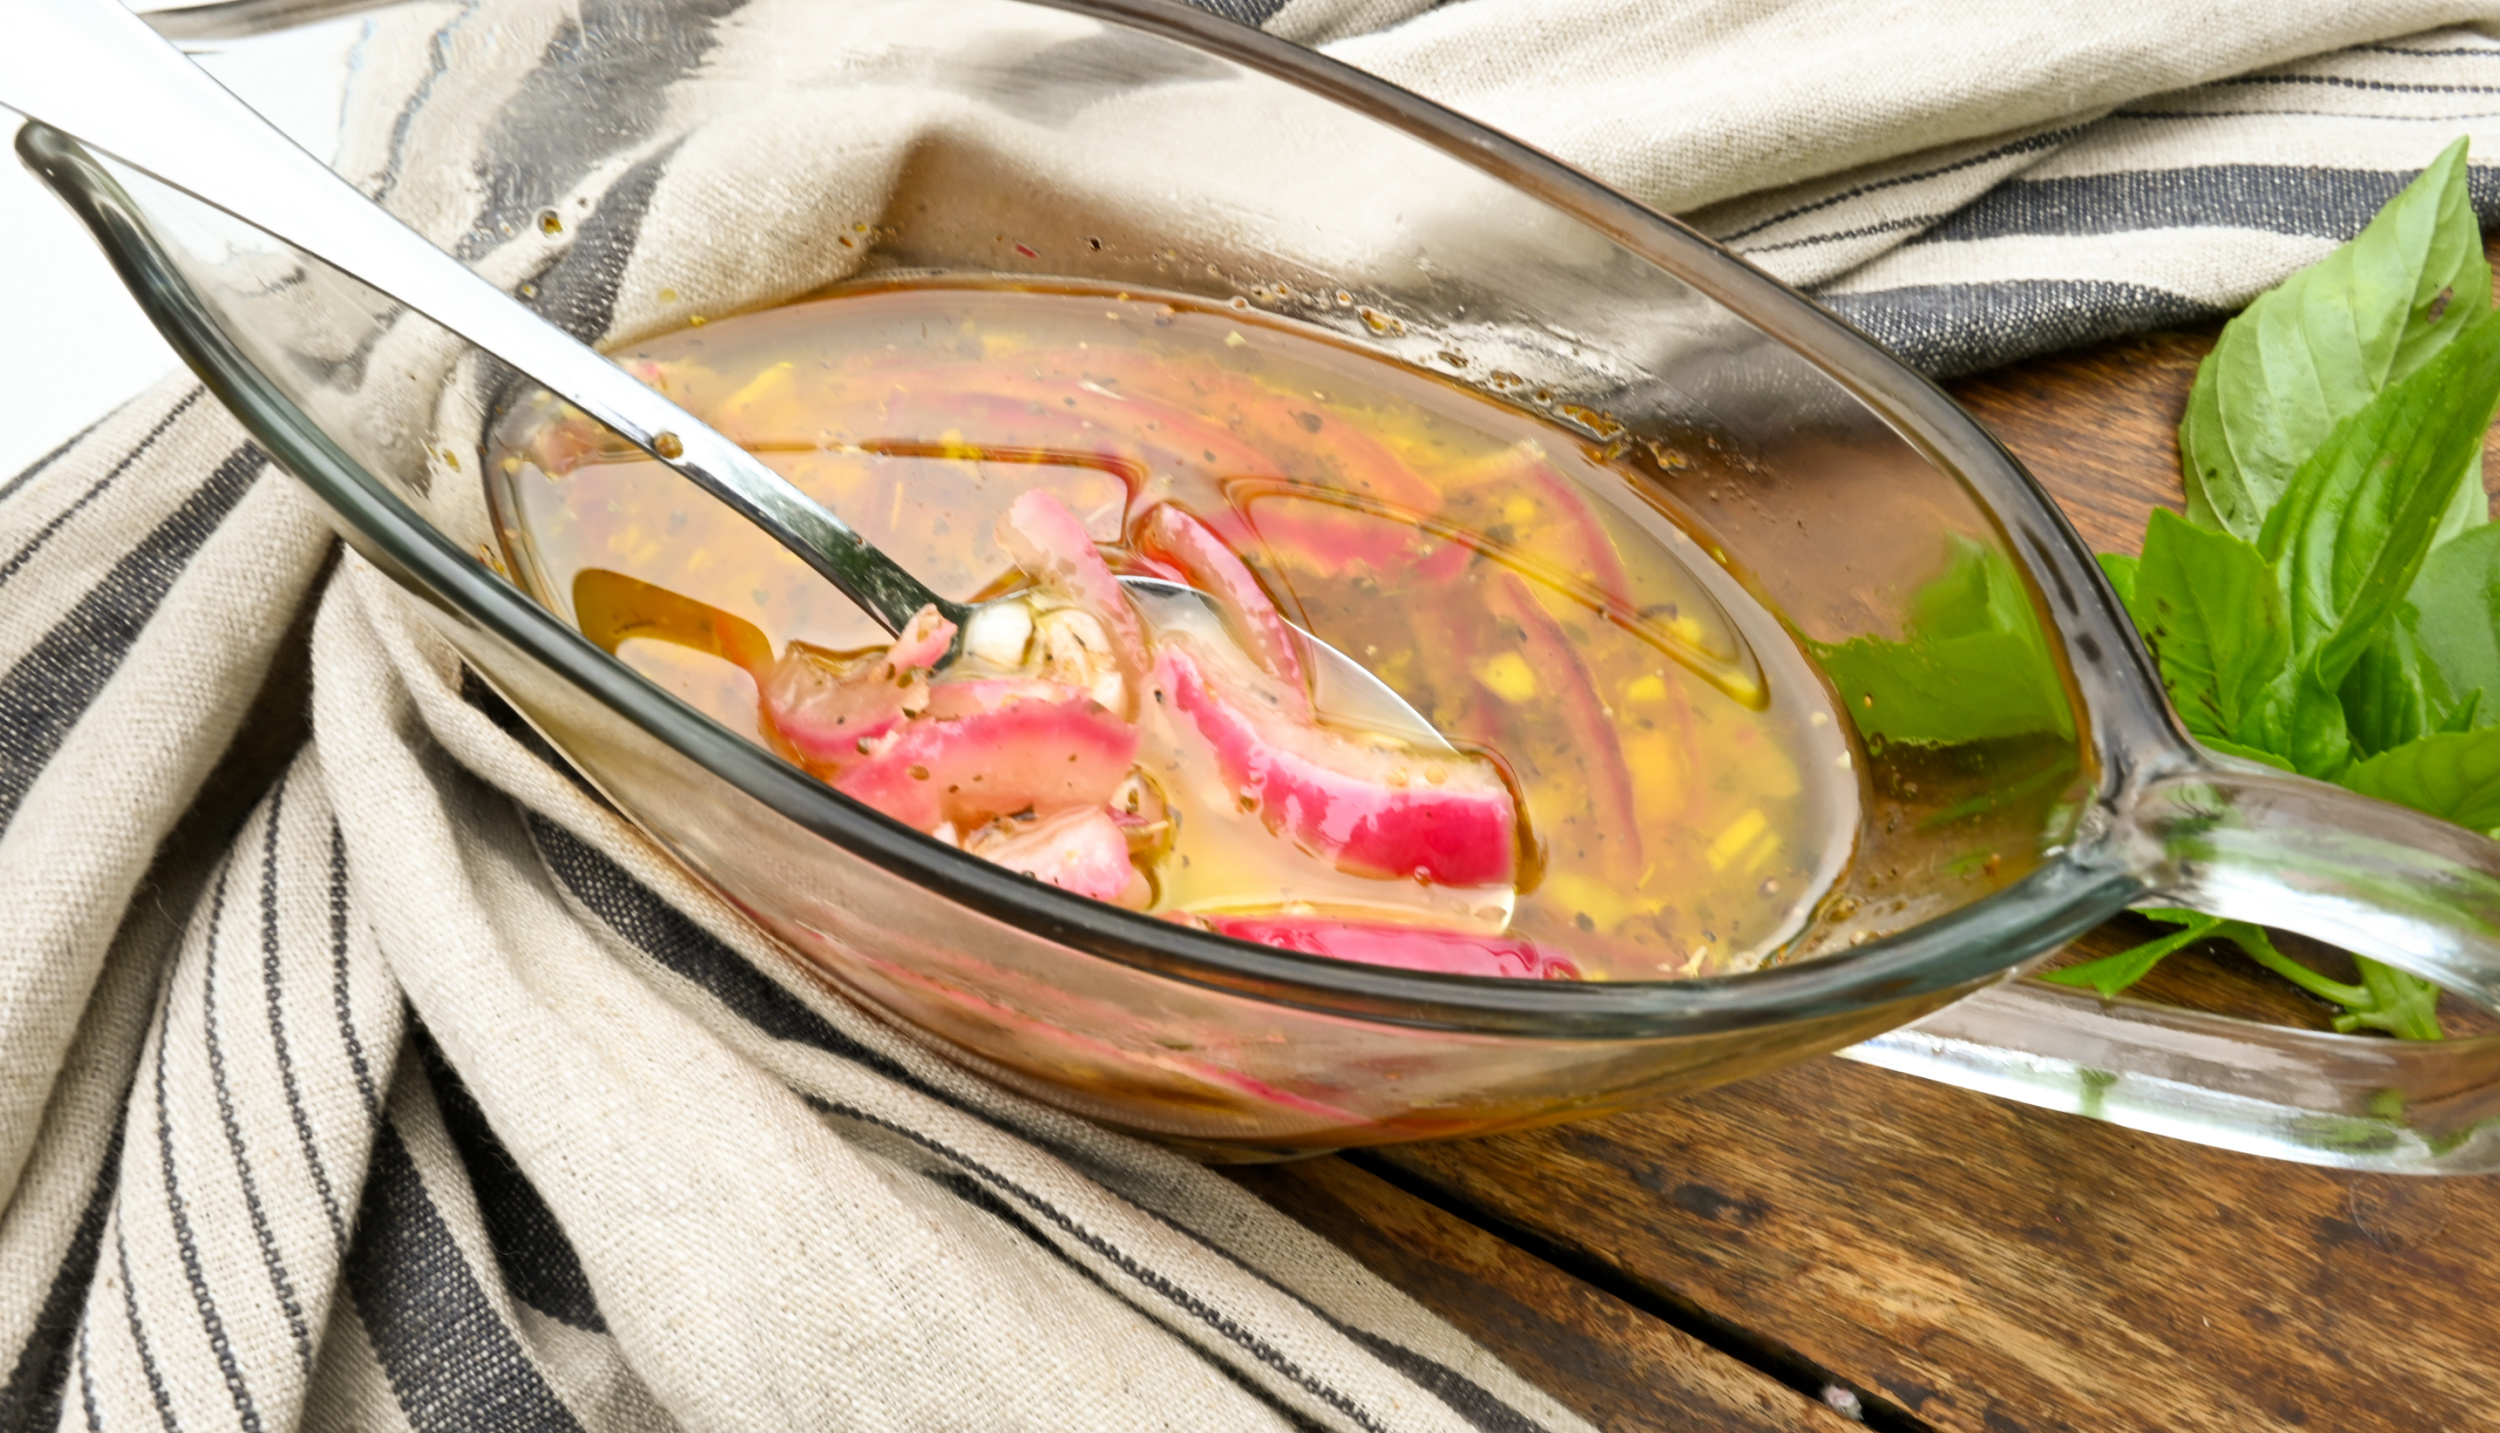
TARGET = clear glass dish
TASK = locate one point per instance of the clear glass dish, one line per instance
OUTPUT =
(1130, 142)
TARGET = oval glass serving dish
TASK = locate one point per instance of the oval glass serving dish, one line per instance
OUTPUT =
(2017, 774)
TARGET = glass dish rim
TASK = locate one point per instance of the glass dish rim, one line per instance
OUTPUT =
(2125, 722)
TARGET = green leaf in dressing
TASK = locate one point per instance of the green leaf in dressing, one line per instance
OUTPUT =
(2317, 349)
(1972, 664)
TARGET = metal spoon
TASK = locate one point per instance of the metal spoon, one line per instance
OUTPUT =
(96, 72)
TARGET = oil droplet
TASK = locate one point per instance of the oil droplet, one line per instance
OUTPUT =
(666, 445)
(668, 296)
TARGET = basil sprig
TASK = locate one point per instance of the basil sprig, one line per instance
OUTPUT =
(2331, 602)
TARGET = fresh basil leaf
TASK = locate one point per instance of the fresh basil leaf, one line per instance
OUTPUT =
(2454, 611)
(2211, 610)
(2388, 697)
(2305, 721)
(2316, 349)
(2452, 775)
(2405, 1006)
(2246, 753)
(1972, 664)
(2358, 518)
(2120, 569)
(2113, 973)
(2463, 714)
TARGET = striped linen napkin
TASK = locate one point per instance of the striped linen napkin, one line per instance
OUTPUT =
(358, 1070)
(1970, 184)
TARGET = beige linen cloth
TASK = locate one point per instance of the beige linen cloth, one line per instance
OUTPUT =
(358, 1070)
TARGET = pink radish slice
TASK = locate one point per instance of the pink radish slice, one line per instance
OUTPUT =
(1047, 757)
(922, 642)
(1438, 818)
(1080, 851)
(951, 699)
(1053, 548)
(1212, 568)
(833, 718)
(833, 715)
(1445, 952)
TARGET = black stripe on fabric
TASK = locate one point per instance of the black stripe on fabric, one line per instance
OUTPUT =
(452, 1363)
(271, 1259)
(1463, 1395)
(586, 99)
(670, 937)
(31, 1399)
(273, 991)
(484, 700)
(2273, 198)
(438, 56)
(540, 1266)
(2050, 139)
(2480, 52)
(139, 1334)
(1944, 329)
(97, 489)
(971, 1191)
(1207, 1315)
(1842, 236)
(1253, 13)
(50, 688)
(178, 1208)
(2335, 114)
(2346, 82)
(578, 291)
(86, 1385)
(36, 468)
(348, 1038)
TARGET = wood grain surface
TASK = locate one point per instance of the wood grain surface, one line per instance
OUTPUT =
(1622, 1367)
(1964, 1263)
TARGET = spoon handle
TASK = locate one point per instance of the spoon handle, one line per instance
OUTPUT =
(96, 72)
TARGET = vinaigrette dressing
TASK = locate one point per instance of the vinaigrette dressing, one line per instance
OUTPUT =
(1684, 793)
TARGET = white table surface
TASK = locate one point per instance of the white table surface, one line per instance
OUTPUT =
(72, 343)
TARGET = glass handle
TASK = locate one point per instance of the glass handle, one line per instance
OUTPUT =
(2255, 844)
(2250, 843)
